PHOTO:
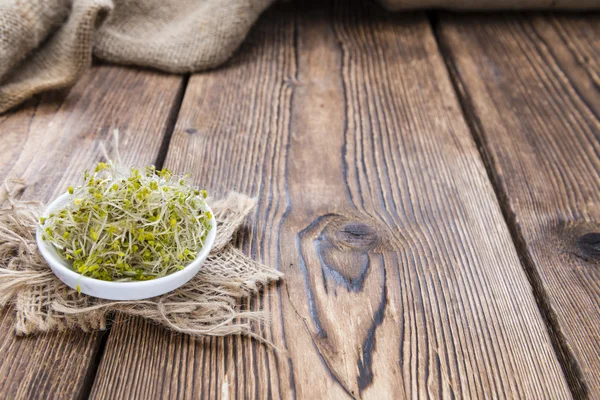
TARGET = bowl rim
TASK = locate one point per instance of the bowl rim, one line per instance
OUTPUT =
(53, 258)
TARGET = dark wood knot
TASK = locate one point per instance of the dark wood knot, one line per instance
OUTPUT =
(358, 236)
(589, 245)
(191, 131)
(578, 238)
(344, 248)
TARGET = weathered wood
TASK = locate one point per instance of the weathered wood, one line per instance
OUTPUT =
(49, 142)
(530, 85)
(401, 275)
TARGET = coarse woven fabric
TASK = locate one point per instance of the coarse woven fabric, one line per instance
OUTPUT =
(48, 44)
(210, 304)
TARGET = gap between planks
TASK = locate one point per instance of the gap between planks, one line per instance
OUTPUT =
(70, 126)
(565, 357)
(92, 371)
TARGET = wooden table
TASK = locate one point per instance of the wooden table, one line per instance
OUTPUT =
(428, 183)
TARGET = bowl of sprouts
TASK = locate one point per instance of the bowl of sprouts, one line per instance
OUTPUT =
(127, 235)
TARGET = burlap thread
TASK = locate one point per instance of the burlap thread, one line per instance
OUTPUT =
(209, 304)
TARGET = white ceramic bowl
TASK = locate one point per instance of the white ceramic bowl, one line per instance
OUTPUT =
(120, 290)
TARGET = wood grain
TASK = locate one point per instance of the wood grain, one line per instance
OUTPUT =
(530, 85)
(49, 142)
(401, 276)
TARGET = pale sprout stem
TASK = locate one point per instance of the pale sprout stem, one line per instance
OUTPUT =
(129, 226)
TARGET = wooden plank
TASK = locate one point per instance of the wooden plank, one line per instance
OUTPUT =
(401, 276)
(49, 142)
(531, 87)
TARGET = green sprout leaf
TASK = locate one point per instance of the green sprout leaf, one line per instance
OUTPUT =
(126, 226)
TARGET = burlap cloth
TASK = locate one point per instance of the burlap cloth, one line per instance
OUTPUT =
(209, 304)
(48, 44)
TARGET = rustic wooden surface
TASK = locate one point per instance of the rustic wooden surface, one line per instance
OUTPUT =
(401, 275)
(49, 142)
(359, 133)
(531, 86)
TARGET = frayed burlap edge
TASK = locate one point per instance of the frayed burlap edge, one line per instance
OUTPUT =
(209, 304)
